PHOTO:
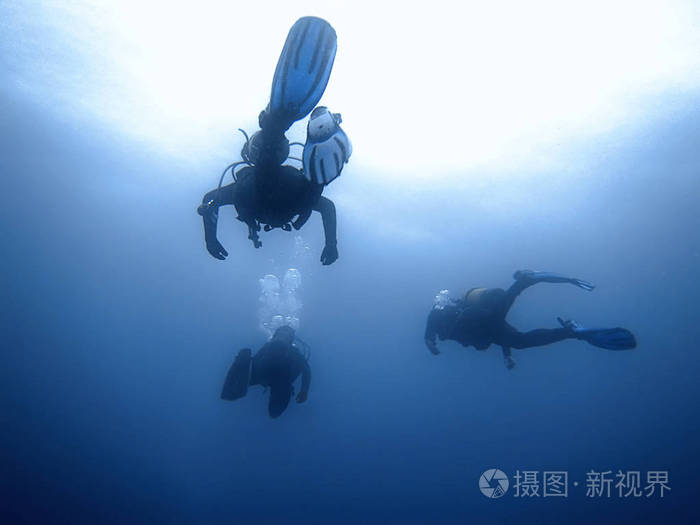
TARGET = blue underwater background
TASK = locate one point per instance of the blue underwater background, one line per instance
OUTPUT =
(118, 329)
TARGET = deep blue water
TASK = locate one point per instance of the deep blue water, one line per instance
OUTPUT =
(118, 329)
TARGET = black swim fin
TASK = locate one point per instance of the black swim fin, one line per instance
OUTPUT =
(238, 377)
(303, 70)
(608, 338)
(280, 394)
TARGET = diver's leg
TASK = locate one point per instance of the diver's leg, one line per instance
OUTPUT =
(511, 338)
(611, 338)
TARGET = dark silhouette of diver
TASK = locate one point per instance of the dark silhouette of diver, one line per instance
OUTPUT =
(267, 193)
(479, 320)
(276, 365)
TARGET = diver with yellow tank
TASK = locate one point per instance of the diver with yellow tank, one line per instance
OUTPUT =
(479, 320)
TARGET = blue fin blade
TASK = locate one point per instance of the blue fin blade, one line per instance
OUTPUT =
(303, 69)
(609, 338)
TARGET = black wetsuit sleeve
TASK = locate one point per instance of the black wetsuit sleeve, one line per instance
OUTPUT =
(305, 376)
(327, 210)
(313, 194)
(432, 326)
(209, 209)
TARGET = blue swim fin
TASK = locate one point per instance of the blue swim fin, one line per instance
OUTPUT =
(608, 338)
(327, 147)
(302, 70)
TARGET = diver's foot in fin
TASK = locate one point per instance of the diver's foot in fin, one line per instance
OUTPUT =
(302, 72)
(608, 338)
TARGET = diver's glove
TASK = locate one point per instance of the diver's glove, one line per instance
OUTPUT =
(432, 346)
(302, 396)
(330, 254)
(216, 250)
(582, 284)
(509, 362)
(301, 219)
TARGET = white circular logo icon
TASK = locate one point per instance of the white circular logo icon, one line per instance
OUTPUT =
(493, 483)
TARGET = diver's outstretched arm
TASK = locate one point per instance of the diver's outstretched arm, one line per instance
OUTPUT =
(529, 278)
(314, 195)
(209, 210)
(526, 278)
(327, 210)
(431, 332)
(305, 382)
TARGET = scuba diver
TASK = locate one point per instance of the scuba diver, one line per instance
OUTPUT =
(267, 193)
(479, 320)
(276, 365)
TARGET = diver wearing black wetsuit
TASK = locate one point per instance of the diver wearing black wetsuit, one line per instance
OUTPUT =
(479, 320)
(270, 194)
(266, 192)
(276, 365)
